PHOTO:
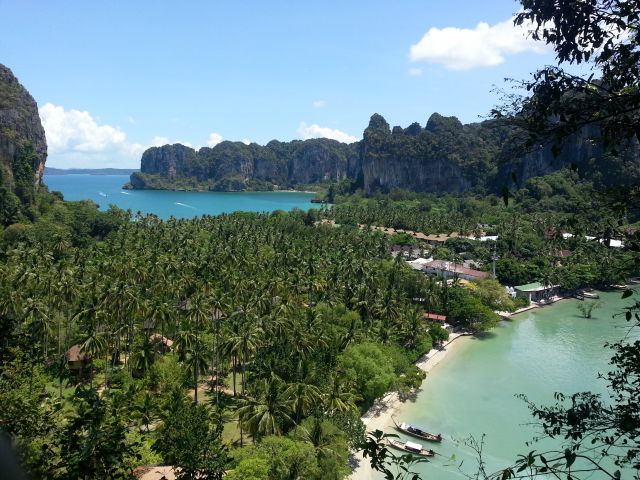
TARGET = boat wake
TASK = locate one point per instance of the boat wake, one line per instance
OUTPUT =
(125, 193)
(102, 194)
(184, 205)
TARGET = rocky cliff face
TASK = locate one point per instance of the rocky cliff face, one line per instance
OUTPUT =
(169, 160)
(582, 152)
(444, 156)
(20, 127)
(317, 161)
(236, 166)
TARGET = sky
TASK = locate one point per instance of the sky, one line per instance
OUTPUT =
(114, 78)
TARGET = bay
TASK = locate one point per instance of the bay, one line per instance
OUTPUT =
(537, 353)
(107, 189)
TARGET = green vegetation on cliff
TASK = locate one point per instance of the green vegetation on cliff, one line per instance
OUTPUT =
(234, 166)
(23, 150)
(443, 157)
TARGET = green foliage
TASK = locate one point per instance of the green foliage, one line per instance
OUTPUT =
(370, 368)
(586, 308)
(276, 458)
(167, 375)
(23, 169)
(234, 166)
(492, 294)
(25, 415)
(469, 312)
(269, 412)
(18, 190)
(9, 206)
(438, 333)
(93, 444)
(189, 438)
(330, 444)
(383, 460)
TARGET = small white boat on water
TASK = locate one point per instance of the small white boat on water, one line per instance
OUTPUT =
(588, 294)
(411, 447)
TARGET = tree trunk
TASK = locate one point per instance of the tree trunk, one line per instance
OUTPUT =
(195, 388)
(244, 372)
(234, 374)
(60, 353)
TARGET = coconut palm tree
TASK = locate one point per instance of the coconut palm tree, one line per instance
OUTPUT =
(145, 409)
(339, 398)
(269, 413)
(303, 399)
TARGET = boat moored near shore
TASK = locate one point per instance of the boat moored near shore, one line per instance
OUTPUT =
(418, 432)
(411, 447)
(587, 294)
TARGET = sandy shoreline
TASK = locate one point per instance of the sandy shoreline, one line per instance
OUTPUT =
(378, 417)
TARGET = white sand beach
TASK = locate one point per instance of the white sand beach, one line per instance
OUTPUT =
(379, 416)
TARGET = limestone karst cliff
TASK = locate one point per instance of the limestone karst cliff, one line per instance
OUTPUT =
(231, 166)
(23, 146)
(443, 157)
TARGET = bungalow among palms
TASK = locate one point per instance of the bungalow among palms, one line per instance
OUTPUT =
(535, 291)
(164, 344)
(447, 269)
(434, 317)
(79, 362)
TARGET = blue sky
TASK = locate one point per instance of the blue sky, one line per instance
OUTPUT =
(112, 78)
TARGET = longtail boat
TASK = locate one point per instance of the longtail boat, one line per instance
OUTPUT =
(410, 447)
(418, 432)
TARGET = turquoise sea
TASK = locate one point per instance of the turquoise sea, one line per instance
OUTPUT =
(536, 353)
(107, 189)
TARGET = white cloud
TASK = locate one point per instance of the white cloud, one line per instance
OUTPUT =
(415, 72)
(484, 46)
(159, 141)
(316, 131)
(214, 139)
(319, 103)
(76, 139)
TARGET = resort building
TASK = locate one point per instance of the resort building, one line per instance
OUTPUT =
(536, 291)
(419, 263)
(78, 361)
(608, 242)
(434, 317)
(164, 343)
(447, 269)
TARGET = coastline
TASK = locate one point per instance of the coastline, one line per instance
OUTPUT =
(534, 305)
(379, 416)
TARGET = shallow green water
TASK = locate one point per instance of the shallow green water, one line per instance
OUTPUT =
(107, 189)
(537, 353)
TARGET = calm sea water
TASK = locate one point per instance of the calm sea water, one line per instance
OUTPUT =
(107, 189)
(537, 353)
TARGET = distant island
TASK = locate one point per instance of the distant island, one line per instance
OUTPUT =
(89, 171)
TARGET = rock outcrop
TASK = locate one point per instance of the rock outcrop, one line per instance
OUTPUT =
(581, 151)
(443, 157)
(236, 166)
(23, 150)
(20, 127)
